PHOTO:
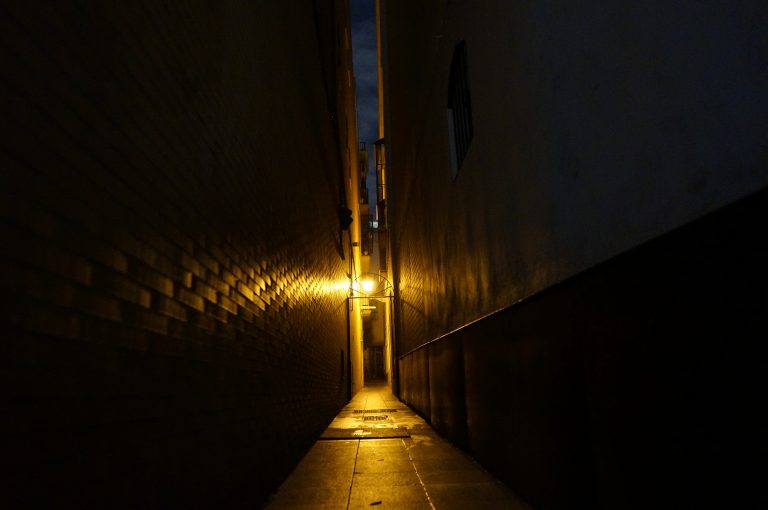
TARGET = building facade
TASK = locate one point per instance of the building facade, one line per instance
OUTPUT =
(176, 328)
(575, 191)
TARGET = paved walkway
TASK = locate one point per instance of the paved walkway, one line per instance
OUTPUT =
(377, 453)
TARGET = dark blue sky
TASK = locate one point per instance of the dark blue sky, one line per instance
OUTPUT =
(363, 18)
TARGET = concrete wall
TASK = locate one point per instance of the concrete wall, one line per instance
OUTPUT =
(602, 371)
(596, 128)
(634, 384)
(173, 304)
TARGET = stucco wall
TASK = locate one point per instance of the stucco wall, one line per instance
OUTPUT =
(597, 127)
(604, 235)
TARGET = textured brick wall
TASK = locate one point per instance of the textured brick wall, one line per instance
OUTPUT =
(173, 307)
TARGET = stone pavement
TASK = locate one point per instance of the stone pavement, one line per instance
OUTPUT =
(378, 453)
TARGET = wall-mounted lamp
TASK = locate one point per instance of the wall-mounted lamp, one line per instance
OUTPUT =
(370, 286)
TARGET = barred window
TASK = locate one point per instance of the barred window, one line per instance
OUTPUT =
(460, 129)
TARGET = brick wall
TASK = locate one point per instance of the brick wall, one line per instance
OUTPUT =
(173, 305)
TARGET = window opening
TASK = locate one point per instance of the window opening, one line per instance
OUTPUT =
(460, 128)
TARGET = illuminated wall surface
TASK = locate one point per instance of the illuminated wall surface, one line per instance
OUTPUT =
(597, 129)
(173, 305)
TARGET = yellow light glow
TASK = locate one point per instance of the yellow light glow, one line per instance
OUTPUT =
(332, 287)
(367, 285)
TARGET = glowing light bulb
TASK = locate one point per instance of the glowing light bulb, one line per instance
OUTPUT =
(367, 285)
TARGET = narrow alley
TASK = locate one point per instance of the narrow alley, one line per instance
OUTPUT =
(378, 253)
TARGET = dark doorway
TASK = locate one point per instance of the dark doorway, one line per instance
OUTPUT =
(373, 359)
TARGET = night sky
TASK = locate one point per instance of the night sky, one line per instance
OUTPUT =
(363, 17)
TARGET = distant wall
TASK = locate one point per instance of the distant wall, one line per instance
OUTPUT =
(173, 305)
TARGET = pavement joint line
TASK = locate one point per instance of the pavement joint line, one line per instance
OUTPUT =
(424, 487)
(352, 481)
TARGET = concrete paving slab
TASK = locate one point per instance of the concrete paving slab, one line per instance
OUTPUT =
(391, 479)
(382, 455)
(403, 496)
(387, 466)
(454, 476)
(365, 433)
